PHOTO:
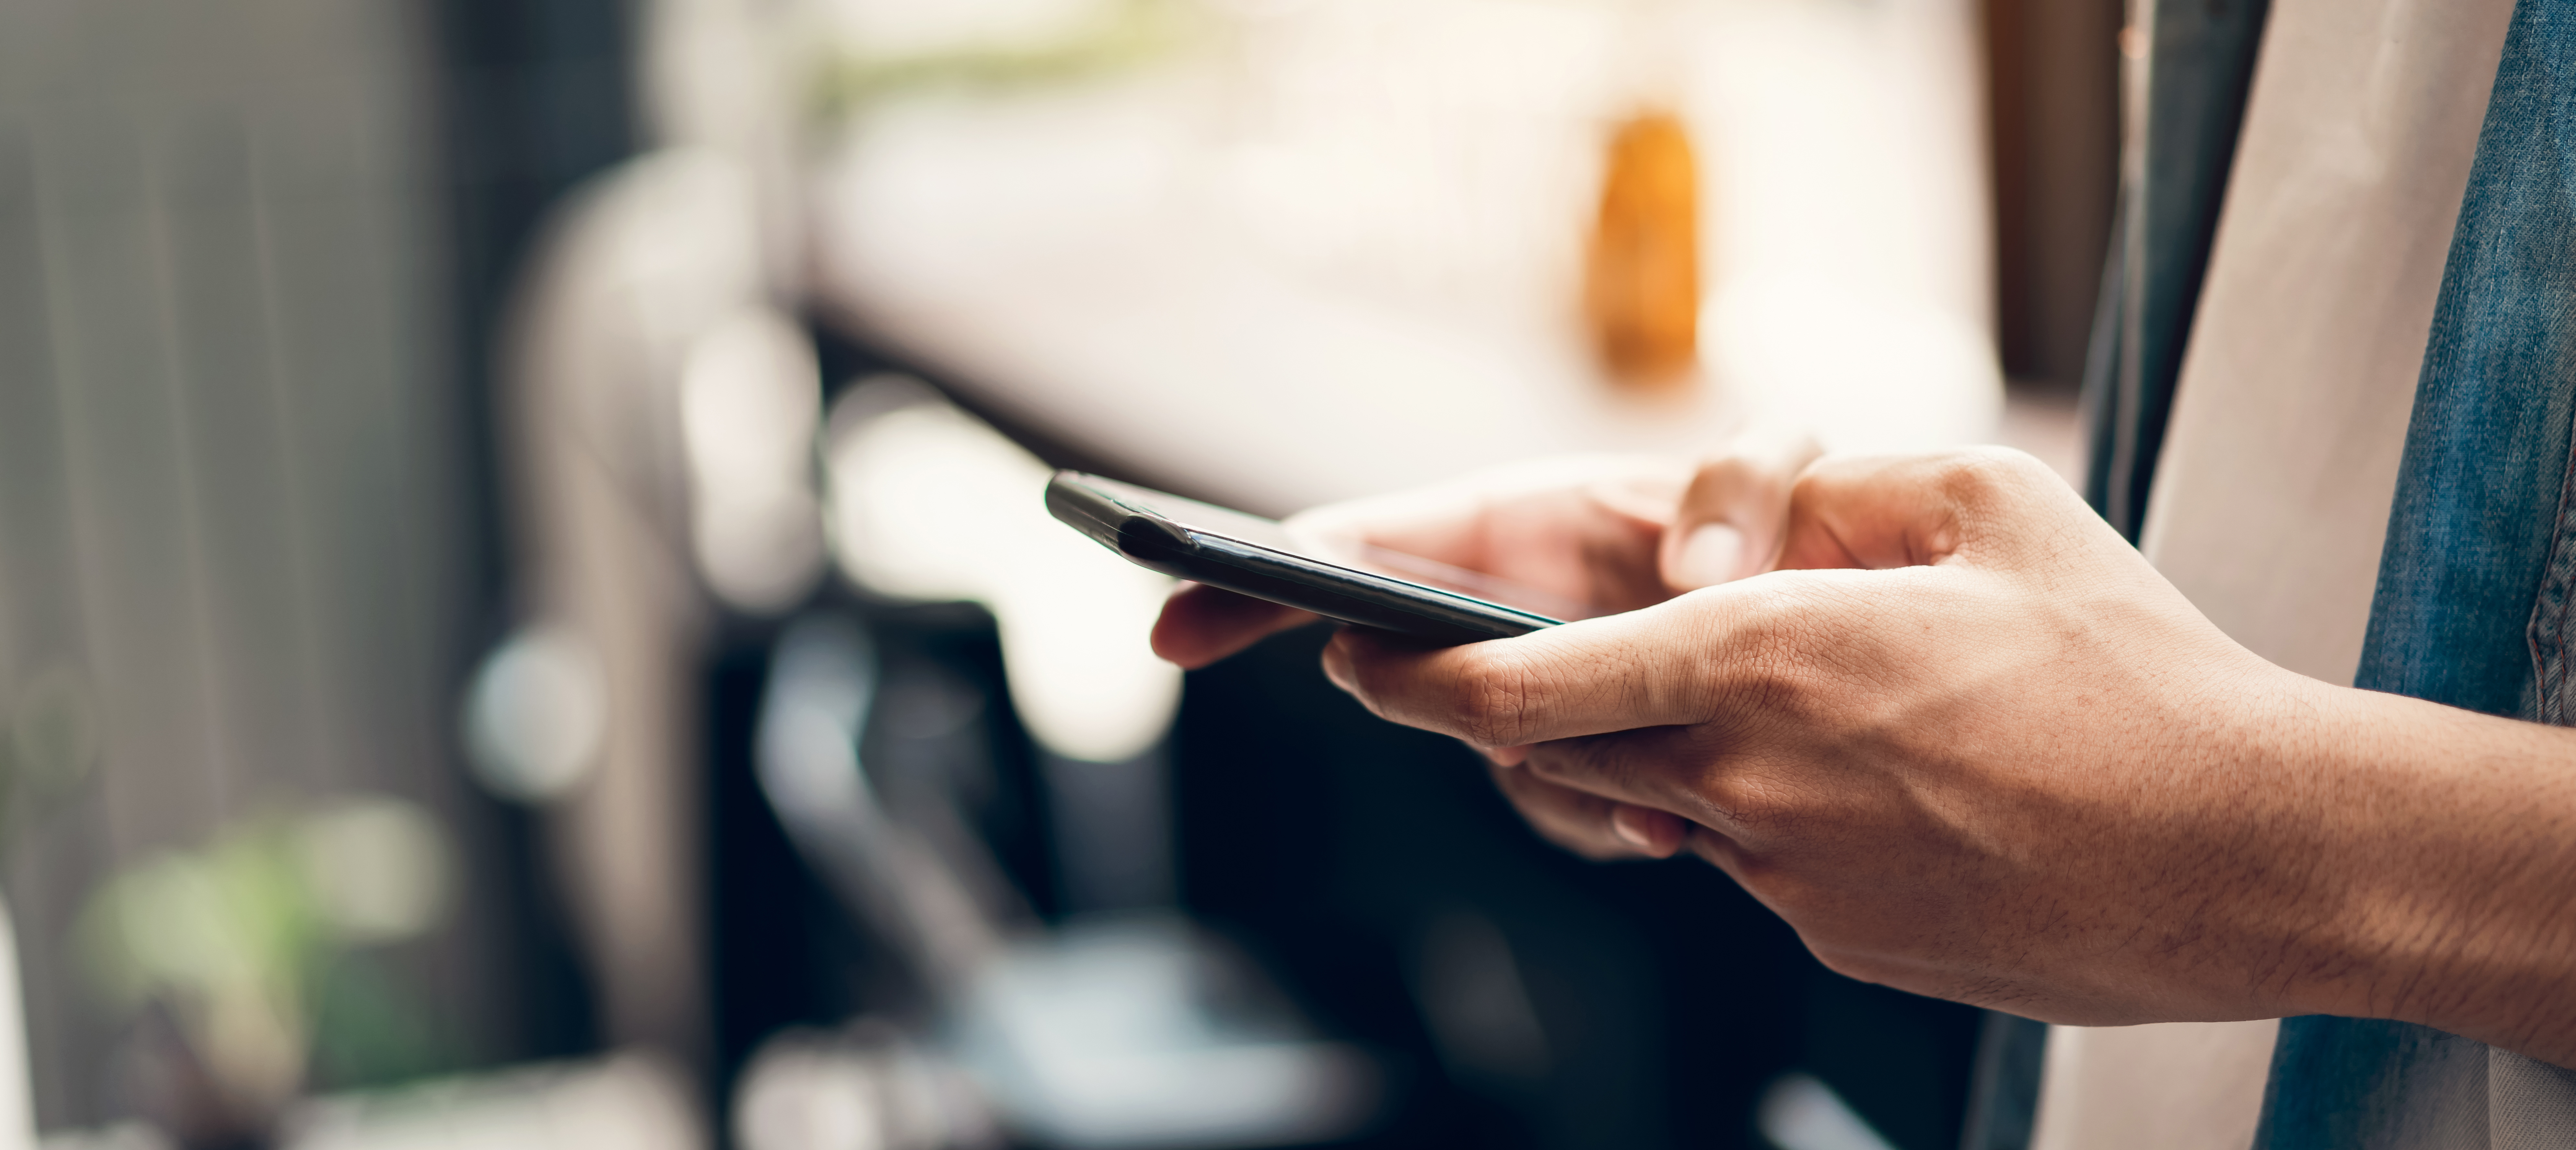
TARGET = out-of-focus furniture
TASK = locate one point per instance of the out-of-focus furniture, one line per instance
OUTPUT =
(656, 407)
(1110, 1031)
(660, 416)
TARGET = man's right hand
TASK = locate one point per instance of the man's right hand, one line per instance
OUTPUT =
(1615, 532)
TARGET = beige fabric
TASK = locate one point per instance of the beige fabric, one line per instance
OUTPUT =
(2176, 1084)
(2531, 1105)
(2272, 495)
(2273, 492)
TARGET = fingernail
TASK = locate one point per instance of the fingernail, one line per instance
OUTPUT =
(1632, 834)
(1507, 756)
(1712, 554)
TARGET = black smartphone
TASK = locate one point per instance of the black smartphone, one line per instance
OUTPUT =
(1373, 587)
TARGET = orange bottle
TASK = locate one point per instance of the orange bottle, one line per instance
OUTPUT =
(1641, 277)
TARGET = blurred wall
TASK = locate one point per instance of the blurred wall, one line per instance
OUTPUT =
(237, 468)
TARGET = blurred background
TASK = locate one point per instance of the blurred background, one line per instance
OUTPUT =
(526, 619)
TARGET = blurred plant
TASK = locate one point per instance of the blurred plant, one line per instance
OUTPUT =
(1112, 34)
(49, 735)
(240, 946)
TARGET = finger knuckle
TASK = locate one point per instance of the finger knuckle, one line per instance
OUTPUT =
(1780, 642)
(1983, 474)
(1737, 482)
(1493, 698)
(1750, 802)
(1724, 474)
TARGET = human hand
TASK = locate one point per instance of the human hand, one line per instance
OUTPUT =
(1613, 532)
(1970, 744)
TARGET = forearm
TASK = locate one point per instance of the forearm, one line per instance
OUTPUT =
(2450, 854)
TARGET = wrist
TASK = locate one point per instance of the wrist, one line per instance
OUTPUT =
(2445, 841)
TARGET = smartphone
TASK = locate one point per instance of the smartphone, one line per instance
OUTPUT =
(1372, 587)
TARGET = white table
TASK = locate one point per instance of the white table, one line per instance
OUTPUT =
(1332, 247)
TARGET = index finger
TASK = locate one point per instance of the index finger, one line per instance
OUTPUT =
(1645, 668)
(1202, 624)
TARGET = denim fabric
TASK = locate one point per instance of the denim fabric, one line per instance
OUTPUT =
(2367, 1084)
(2482, 523)
(2486, 455)
(2003, 1088)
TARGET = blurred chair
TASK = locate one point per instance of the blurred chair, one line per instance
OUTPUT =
(657, 407)
(1130, 1030)
(655, 421)
(1125, 1026)
(928, 504)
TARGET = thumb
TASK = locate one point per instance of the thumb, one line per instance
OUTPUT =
(1898, 511)
(1734, 516)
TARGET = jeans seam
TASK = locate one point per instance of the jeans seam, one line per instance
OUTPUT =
(2547, 633)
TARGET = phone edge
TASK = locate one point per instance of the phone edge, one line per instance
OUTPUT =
(1167, 547)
